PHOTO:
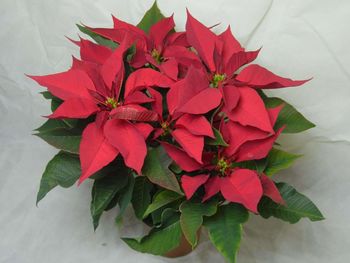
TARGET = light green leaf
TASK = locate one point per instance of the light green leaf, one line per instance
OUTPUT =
(63, 170)
(152, 16)
(103, 192)
(141, 197)
(278, 160)
(98, 39)
(225, 229)
(295, 122)
(158, 241)
(191, 218)
(161, 199)
(297, 206)
(156, 168)
(219, 140)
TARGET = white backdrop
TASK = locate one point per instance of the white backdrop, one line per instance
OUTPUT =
(300, 39)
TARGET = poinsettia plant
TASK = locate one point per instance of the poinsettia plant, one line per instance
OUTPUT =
(177, 125)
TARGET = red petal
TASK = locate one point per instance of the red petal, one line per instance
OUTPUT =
(92, 52)
(128, 140)
(230, 44)
(134, 113)
(274, 112)
(157, 104)
(197, 125)
(137, 97)
(212, 187)
(203, 102)
(66, 85)
(160, 30)
(114, 65)
(243, 186)
(170, 68)
(181, 158)
(146, 77)
(95, 151)
(251, 110)
(271, 190)
(190, 184)
(183, 91)
(259, 77)
(238, 60)
(202, 39)
(236, 135)
(75, 108)
(258, 149)
(192, 144)
(231, 96)
(144, 128)
(177, 39)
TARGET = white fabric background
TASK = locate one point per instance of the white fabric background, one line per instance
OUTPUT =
(300, 39)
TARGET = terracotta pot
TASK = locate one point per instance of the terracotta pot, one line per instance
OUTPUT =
(183, 249)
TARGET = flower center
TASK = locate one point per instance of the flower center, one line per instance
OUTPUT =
(165, 127)
(217, 79)
(111, 102)
(157, 56)
(222, 165)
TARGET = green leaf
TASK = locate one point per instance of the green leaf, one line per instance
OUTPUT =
(103, 192)
(63, 170)
(297, 206)
(158, 241)
(63, 139)
(141, 196)
(152, 16)
(161, 199)
(47, 95)
(225, 229)
(156, 168)
(278, 160)
(191, 218)
(295, 122)
(219, 140)
(51, 125)
(98, 39)
(125, 196)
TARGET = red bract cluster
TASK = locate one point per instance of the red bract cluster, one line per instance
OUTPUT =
(178, 90)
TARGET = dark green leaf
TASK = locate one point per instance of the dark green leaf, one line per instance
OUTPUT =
(156, 168)
(103, 192)
(295, 122)
(278, 160)
(51, 125)
(47, 95)
(152, 16)
(219, 140)
(161, 199)
(297, 206)
(125, 196)
(158, 241)
(98, 39)
(63, 170)
(191, 218)
(225, 229)
(141, 197)
(62, 139)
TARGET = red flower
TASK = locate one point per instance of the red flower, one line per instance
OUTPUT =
(188, 130)
(219, 81)
(93, 86)
(162, 48)
(235, 184)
